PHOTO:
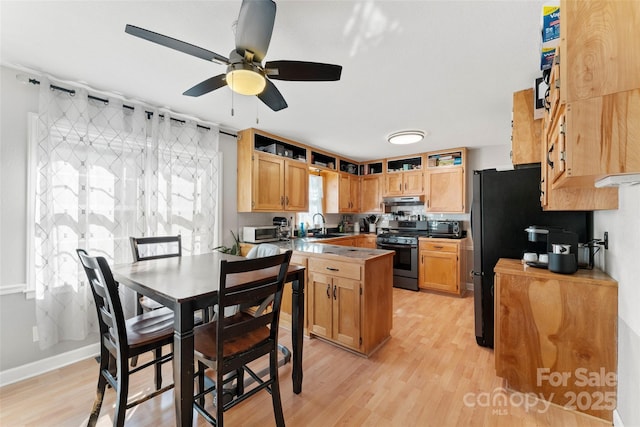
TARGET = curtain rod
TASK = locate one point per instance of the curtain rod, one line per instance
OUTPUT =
(149, 114)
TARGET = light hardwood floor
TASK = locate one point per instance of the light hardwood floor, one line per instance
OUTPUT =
(430, 373)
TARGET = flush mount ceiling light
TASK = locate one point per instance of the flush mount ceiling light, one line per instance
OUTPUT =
(245, 79)
(406, 137)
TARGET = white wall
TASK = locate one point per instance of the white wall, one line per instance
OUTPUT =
(622, 262)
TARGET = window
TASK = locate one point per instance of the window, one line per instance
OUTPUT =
(316, 203)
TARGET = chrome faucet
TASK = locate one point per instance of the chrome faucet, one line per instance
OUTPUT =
(324, 223)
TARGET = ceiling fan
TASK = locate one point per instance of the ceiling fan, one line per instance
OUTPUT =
(245, 73)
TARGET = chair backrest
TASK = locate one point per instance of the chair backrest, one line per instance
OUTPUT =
(262, 250)
(231, 328)
(107, 300)
(145, 248)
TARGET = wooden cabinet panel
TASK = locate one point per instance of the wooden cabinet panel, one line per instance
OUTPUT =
(440, 265)
(320, 304)
(268, 183)
(296, 186)
(600, 55)
(526, 132)
(335, 268)
(371, 191)
(404, 184)
(602, 138)
(334, 306)
(560, 326)
(445, 190)
(346, 312)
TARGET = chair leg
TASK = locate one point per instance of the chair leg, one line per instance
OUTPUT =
(275, 389)
(102, 385)
(201, 368)
(219, 400)
(158, 367)
(122, 392)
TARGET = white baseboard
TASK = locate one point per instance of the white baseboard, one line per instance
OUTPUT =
(39, 367)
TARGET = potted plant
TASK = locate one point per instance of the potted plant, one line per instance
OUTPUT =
(233, 250)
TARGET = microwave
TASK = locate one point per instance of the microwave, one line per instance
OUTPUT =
(260, 234)
(444, 228)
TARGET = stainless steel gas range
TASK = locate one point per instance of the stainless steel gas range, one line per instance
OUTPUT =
(402, 237)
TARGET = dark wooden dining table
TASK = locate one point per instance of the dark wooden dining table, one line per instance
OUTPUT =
(190, 283)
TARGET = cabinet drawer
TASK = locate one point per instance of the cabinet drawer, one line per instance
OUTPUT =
(335, 268)
(439, 247)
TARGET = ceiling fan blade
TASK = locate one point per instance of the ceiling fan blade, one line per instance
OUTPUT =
(207, 86)
(255, 26)
(272, 97)
(302, 71)
(176, 44)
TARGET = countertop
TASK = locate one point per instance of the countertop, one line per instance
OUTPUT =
(515, 266)
(316, 247)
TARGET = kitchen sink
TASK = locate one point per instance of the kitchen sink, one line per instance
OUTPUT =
(327, 235)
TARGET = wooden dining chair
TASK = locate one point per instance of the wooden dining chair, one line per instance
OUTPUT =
(228, 344)
(122, 339)
(147, 248)
(259, 251)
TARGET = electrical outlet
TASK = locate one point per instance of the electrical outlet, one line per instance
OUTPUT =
(606, 240)
(35, 334)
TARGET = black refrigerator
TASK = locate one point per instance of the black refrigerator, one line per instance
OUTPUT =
(504, 204)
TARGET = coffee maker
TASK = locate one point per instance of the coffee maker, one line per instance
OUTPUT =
(560, 245)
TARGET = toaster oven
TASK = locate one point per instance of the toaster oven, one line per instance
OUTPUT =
(260, 234)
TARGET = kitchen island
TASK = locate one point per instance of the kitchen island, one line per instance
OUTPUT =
(349, 293)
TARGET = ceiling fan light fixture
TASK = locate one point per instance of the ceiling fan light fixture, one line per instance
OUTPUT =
(245, 80)
(406, 137)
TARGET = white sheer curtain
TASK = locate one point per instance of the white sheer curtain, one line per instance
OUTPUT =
(104, 172)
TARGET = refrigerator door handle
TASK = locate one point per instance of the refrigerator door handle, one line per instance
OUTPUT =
(476, 273)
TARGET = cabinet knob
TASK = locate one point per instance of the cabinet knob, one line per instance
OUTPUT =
(328, 291)
(335, 296)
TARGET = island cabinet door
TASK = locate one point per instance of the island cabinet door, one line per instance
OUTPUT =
(320, 304)
(346, 312)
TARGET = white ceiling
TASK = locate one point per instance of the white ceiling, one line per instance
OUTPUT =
(446, 67)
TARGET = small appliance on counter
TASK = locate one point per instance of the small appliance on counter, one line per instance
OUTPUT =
(561, 247)
(260, 233)
(284, 227)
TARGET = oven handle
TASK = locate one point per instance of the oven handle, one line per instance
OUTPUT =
(385, 245)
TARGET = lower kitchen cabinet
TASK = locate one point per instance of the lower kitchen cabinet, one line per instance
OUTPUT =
(440, 265)
(334, 306)
(556, 335)
(350, 301)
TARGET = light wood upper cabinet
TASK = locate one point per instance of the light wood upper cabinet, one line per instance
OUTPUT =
(599, 43)
(273, 173)
(446, 187)
(342, 192)
(526, 132)
(405, 184)
(592, 129)
(555, 152)
(371, 193)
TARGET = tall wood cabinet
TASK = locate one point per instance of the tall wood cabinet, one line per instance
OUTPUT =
(556, 335)
(273, 174)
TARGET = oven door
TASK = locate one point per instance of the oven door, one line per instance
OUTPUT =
(405, 264)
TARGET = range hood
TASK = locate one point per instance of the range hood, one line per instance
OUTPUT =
(404, 201)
